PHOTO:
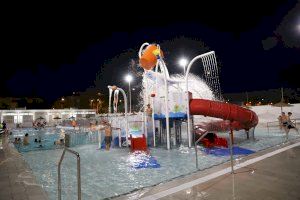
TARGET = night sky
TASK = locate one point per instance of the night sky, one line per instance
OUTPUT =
(49, 52)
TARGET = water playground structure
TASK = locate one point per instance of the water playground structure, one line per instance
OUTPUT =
(175, 101)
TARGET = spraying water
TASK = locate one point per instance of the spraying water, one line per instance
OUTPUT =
(197, 87)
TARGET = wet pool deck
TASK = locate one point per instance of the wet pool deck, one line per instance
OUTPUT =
(16, 179)
(274, 177)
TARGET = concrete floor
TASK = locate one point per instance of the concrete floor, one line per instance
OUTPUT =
(16, 179)
(276, 177)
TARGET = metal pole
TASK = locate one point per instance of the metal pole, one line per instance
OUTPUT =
(129, 97)
(126, 113)
(166, 103)
(196, 150)
(59, 176)
(196, 153)
(78, 178)
(231, 152)
(120, 138)
(78, 173)
(187, 94)
(153, 122)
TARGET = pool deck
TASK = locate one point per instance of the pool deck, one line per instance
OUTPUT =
(17, 181)
(273, 174)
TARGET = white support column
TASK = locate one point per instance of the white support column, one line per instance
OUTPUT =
(187, 93)
(162, 64)
(126, 112)
(153, 105)
(109, 100)
(146, 101)
(153, 122)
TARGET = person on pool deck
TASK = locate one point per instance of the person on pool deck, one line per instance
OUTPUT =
(290, 124)
(26, 139)
(108, 133)
(284, 120)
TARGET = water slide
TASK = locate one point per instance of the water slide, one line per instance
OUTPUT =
(240, 118)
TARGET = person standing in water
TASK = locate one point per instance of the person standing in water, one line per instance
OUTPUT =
(108, 133)
(290, 124)
(26, 139)
(284, 120)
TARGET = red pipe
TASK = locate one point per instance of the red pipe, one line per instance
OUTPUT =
(241, 118)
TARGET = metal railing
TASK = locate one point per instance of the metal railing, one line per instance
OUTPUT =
(230, 149)
(196, 150)
(78, 172)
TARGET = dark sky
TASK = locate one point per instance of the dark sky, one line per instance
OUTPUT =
(51, 52)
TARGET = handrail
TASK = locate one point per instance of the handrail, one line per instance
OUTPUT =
(78, 172)
(196, 151)
(230, 148)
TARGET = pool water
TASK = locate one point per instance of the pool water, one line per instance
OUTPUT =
(111, 173)
(48, 136)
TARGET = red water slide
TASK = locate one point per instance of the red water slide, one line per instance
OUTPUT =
(240, 118)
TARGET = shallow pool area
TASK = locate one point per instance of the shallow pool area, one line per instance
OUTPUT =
(46, 137)
(111, 173)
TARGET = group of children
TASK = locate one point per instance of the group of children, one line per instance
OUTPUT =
(25, 140)
(286, 123)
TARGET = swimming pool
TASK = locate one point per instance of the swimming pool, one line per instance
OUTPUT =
(110, 173)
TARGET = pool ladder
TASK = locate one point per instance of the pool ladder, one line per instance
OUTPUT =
(78, 173)
(196, 150)
(230, 149)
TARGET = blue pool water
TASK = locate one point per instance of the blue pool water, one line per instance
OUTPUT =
(48, 136)
(110, 173)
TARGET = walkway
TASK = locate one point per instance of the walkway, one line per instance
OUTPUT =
(16, 179)
(275, 177)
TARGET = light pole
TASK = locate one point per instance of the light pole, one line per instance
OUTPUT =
(128, 79)
(98, 105)
(92, 103)
(183, 62)
(62, 102)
